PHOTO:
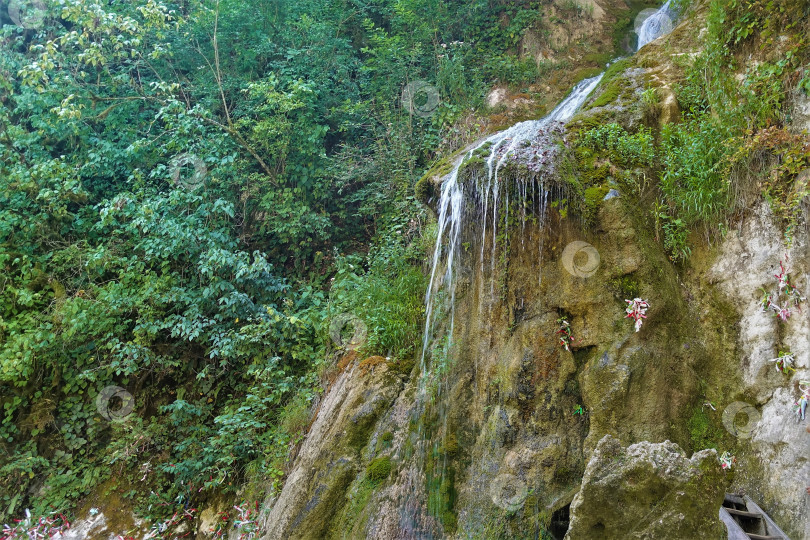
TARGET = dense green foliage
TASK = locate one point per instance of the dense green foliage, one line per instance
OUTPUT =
(733, 138)
(609, 157)
(179, 184)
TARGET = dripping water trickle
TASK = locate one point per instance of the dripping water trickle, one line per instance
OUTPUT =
(451, 215)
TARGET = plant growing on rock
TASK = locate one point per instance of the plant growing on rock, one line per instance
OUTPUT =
(379, 469)
(793, 294)
(793, 298)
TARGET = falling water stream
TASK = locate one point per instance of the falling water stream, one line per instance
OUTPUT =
(656, 25)
(534, 142)
(502, 146)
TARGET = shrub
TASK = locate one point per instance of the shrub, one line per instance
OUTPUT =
(622, 148)
(692, 181)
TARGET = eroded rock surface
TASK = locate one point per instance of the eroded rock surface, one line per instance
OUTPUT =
(773, 465)
(330, 459)
(648, 491)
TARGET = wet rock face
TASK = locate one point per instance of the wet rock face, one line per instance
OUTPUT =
(774, 465)
(648, 490)
(330, 458)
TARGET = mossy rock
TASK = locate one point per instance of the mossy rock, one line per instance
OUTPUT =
(588, 120)
(483, 151)
(402, 366)
(450, 446)
(425, 188)
(586, 73)
(707, 432)
(475, 162)
(625, 287)
(620, 485)
(610, 94)
(315, 518)
(379, 469)
(362, 423)
(387, 439)
(595, 176)
(615, 69)
(600, 59)
(593, 198)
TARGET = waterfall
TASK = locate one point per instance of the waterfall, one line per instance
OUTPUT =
(656, 25)
(534, 143)
(522, 139)
(502, 146)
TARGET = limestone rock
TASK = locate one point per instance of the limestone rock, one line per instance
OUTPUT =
(801, 112)
(773, 461)
(648, 490)
(327, 463)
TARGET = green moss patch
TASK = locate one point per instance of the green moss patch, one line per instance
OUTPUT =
(609, 95)
(625, 287)
(424, 189)
(379, 469)
(704, 432)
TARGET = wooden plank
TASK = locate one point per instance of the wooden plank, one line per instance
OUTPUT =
(743, 513)
(735, 499)
(753, 536)
(772, 527)
(735, 532)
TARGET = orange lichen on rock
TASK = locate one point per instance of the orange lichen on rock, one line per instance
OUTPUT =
(346, 360)
(369, 363)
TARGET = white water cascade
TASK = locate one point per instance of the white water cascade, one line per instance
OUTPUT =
(656, 25)
(532, 142)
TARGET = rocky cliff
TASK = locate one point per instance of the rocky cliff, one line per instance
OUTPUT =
(495, 431)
